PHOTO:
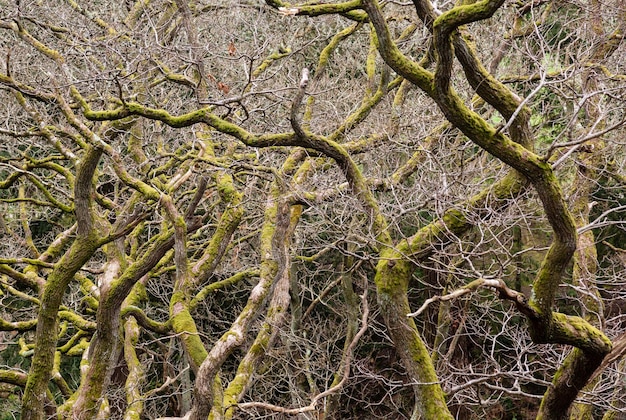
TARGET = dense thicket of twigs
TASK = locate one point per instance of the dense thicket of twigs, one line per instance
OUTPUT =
(192, 225)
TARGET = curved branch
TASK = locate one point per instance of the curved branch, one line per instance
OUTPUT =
(443, 27)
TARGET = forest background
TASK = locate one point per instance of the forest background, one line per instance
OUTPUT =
(357, 209)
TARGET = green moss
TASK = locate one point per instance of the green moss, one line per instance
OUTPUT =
(392, 277)
(267, 233)
(12, 377)
(392, 274)
(227, 191)
(218, 398)
(49, 52)
(269, 60)
(466, 13)
(46, 338)
(77, 320)
(220, 285)
(550, 273)
(79, 348)
(579, 332)
(332, 46)
(245, 370)
(348, 9)
(136, 371)
(183, 324)
(138, 294)
(17, 326)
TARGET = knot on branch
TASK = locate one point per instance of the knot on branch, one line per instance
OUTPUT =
(304, 80)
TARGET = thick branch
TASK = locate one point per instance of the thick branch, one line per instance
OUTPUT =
(73, 260)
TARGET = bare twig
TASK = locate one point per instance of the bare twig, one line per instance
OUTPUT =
(329, 391)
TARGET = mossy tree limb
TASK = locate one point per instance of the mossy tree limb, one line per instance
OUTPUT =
(543, 328)
(275, 317)
(569, 380)
(585, 261)
(112, 295)
(81, 250)
(392, 277)
(104, 346)
(276, 224)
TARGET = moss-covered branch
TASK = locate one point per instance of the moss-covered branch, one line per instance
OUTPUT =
(136, 371)
(348, 9)
(181, 320)
(392, 277)
(273, 241)
(276, 315)
(219, 285)
(81, 250)
(144, 321)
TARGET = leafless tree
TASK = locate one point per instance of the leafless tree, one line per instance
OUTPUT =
(352, 209)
